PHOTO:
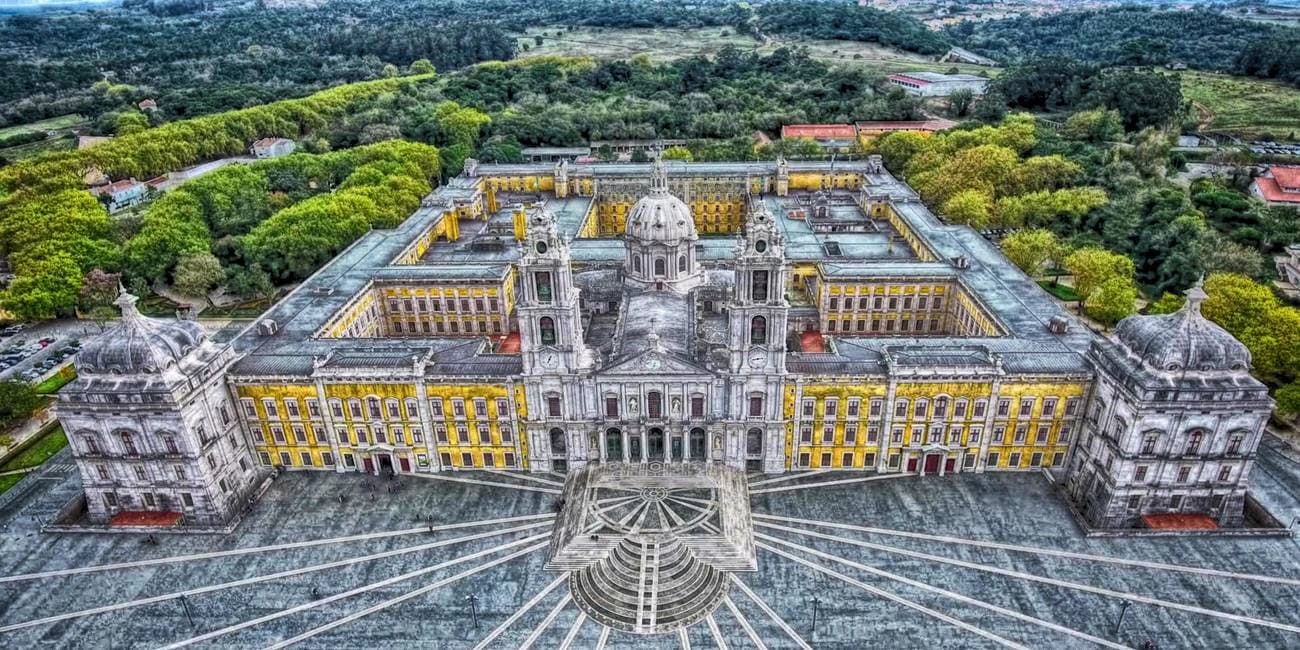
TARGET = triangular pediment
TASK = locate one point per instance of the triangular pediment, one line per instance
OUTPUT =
(653, 362)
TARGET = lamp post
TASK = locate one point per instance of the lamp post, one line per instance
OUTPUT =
(185, 605)
(473, 608)
(815, 602)
(1123, 610)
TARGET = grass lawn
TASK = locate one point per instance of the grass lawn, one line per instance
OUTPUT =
(1061, 291)
(33, 149)
(674, 43)
(49, 444)
(1245, 106)
(52, 124)
(54, 382)
(7, 482)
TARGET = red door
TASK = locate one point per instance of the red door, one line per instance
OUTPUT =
(369, 465)
(932, 463)
(406, 465)
(911, 464)
(949, 465)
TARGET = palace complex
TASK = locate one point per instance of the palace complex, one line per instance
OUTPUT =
(759, 316)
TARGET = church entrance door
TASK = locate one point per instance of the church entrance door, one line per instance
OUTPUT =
(677, 449)
(656, 443)
(369, 465)
(932, 463)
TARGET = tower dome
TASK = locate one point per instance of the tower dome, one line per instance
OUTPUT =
(1184, 340)
(660, 216)
(138, 344)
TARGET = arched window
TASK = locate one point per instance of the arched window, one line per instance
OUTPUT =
(558, 445)
(547, 328)
(681, 264)
(754, 442)
(636, 264)
(1194, 442)
(654, 404)
(758, 330)
(698, 444)
(661, 268)
(613, 444)
(1149, 442)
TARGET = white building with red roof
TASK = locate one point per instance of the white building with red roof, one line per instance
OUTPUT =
(1280, 185)
(121, 194)
(832, 137)
(933, 84)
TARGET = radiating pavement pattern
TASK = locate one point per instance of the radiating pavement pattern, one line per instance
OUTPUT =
(966, 561)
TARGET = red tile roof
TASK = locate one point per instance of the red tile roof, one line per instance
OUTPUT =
(1287, 177)
(1179, 521)
(114, 188)
(936, 124)
(509, 344)
(819, 131)
(266, 142)
(1269, 190)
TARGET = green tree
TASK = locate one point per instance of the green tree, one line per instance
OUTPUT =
(1097, 125)
(1112, 301)
(422, 66)
(391, 70)
(960, 101)
(197, 273)
(970, 207)
(1168, 303)
(1030, 249)
(1236, 302)
(17, 402)
(1093, 267)
(129, 122)
(43, 288)
(1288, 401)
(678, 153)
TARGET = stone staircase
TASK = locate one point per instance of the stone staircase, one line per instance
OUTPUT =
(649, 585)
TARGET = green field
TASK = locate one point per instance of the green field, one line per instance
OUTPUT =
(1249, 107)
(52, 124)
(668, 44)
(49, 444)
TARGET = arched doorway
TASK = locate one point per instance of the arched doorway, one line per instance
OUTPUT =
(559, 451)
(656, 444)
(613, 445)
(699, 444)
(754, 450)
(677, 449)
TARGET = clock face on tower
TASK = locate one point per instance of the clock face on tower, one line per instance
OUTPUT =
(550, 359)
(757, 358)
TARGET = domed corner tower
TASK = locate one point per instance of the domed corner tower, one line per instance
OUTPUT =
(1173, 423)
(152, 424)
(661, 238)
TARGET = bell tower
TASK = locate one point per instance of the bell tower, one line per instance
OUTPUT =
(758, 308)
(550, 320)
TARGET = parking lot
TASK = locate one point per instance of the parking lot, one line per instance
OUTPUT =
(31, 353)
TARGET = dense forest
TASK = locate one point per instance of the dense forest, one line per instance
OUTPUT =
(201, 57)
(253, 226)
(1202, 39)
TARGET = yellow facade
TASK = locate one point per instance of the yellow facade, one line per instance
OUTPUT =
(357, 423)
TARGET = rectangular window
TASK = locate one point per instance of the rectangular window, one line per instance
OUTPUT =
(466, 459)
(876, 406)
(846, 460)
(285, 459)
(828, 434)
(804, 459)
(755, 407)
(980, 405)
(1022, 432)
(805, 434)
(268, 405)
(336, 407)
(808, 405)
(917, 432)
(1184, 473)
(349, 460)
(503, 408)
(1134, 502)
(435, 407)
(489, 460)
(553, 406)
(1041, 436)
(850, 434)
(484, 435)
(1036, 459)
(697, 407)
(854, 405)
(611, 407)
(306, 459)
(1014, 460)
(507, 434)
(1072, 406)
(441, 433)
(480, 407)
(831, 407)
(509, 460)
(278, 434)
(249, 409)
(896, 436)
(1058, 459)
(1225, 473)
(1026, 407)
(900, 408)
(992, 460)
(265, 458)
(462, 435)
(758, 287)
(825, 459)
(974, 437)
(1049, 407)
(313, 408)
(327, 458)
(1004, 407)
(894, 461)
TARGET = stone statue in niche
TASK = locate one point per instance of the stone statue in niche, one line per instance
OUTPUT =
(632, 406)
(677, 406)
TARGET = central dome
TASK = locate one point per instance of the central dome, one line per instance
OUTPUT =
(1184, 340)
(660, 216)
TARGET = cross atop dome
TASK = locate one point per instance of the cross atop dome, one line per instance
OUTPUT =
(659, 175)
(1196, 295)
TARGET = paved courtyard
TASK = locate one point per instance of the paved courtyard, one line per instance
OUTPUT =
(968, 561)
